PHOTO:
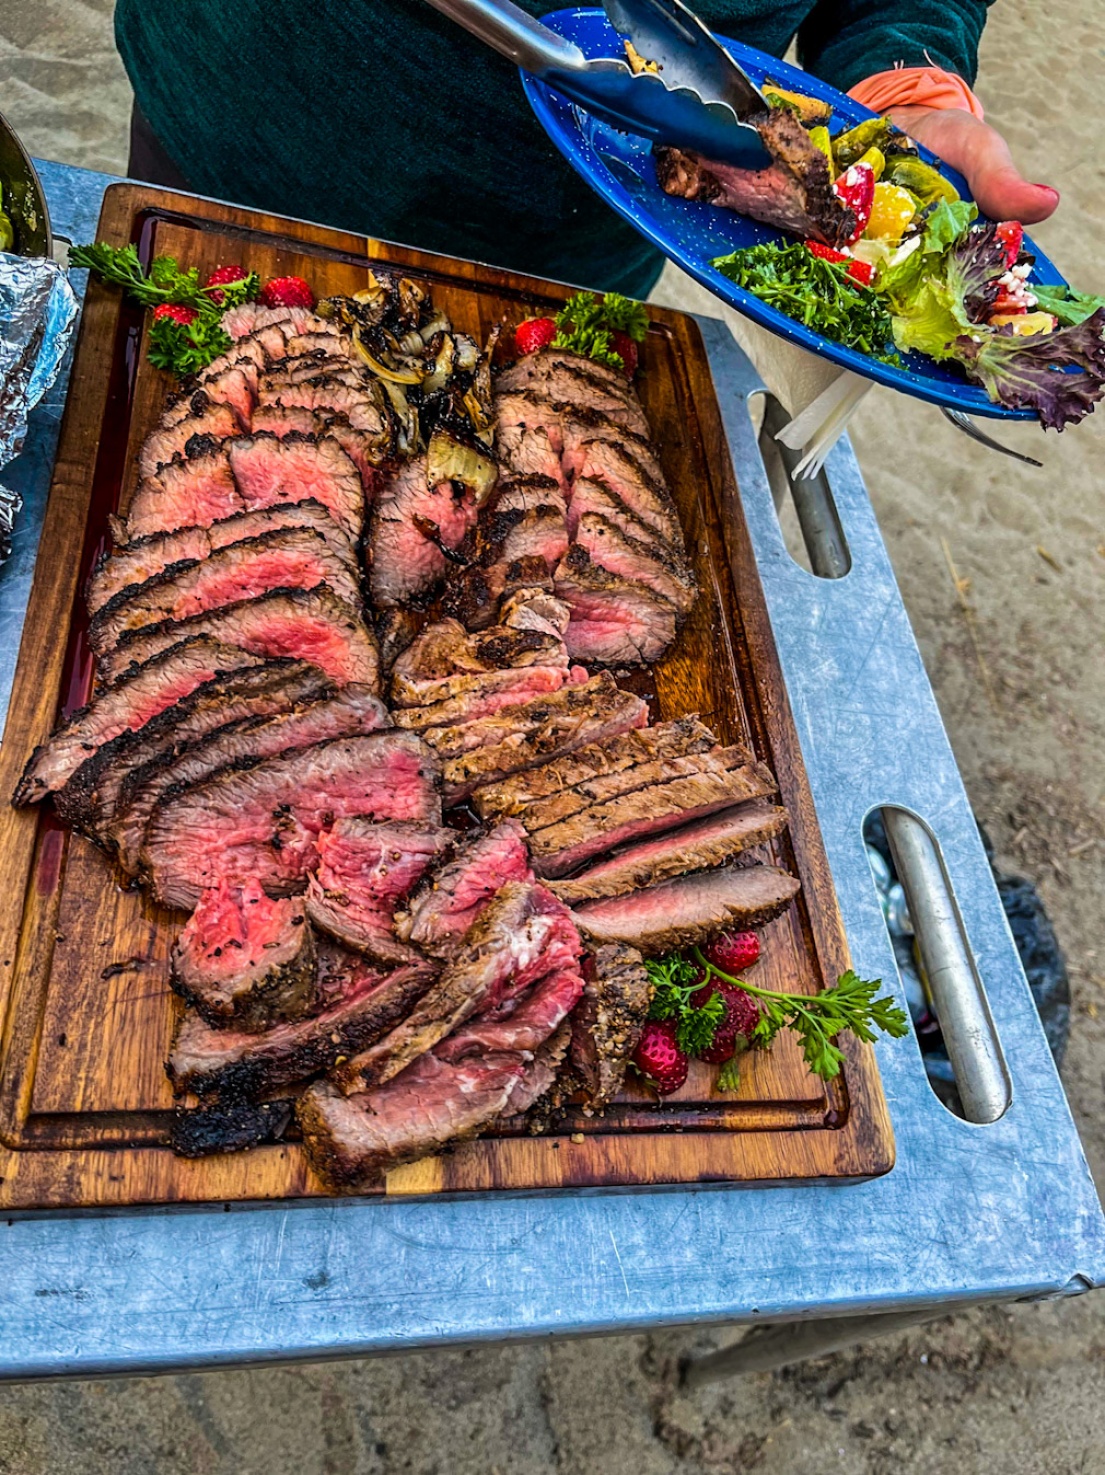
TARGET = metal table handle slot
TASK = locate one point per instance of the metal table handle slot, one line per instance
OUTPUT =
(811, 496)
(959, 998)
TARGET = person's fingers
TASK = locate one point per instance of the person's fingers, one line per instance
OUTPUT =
(982, 156)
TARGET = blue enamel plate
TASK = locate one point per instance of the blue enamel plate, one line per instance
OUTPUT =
(619, 166)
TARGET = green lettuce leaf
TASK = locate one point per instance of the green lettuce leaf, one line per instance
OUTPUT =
(1069, 306)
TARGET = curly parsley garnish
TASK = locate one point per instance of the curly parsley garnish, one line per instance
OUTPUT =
(585, 323)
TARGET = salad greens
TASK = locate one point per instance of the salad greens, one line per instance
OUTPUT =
(586, 325)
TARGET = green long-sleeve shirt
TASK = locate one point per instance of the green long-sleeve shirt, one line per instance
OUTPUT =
(385, 117)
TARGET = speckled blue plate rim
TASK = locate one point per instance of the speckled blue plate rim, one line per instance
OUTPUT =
(583, 141)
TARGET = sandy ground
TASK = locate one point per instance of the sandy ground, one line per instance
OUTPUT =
(1017, 1390)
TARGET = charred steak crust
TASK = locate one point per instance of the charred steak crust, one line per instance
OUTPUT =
(607, 1023)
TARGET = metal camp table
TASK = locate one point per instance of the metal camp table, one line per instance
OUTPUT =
(1000, 1207)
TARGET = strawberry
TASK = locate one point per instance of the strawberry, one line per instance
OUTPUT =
(624, 346)
(859, 271)
(733, 952)
(533, 334)
(221, 277)
(856, 189)
(734, 1031)
(659, 1058)
(1011, 235)
(179, 314)
(862, 272)
(287, 292)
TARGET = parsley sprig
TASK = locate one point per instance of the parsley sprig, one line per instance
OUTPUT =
(818, 1019)
(182, 348)
(585, 325)
(815, 292)
(674, 980)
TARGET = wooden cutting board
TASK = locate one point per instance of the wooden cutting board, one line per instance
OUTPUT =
(85, 1006)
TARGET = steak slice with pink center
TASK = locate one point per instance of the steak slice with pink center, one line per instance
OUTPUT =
(217, 423)
(617, 466)
(245, 959)
(237, 1064)
(568, 378)
(653, 564)
(365, 870)
(480, 697)
(264, 820)
(689, 911)
(223, 735)
(615, 621)
(306, 624)
(127, 705)
(567, 845)
(194, 492)
(709, 842)
(413, 526)
(441, 911)
(526, 1026)
(269, 469)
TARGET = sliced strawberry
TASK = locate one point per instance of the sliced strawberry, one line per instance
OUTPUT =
(856, 189)
(1011, 235)
(178, 313)
(827, 253)
(287, 292)
(533, 334)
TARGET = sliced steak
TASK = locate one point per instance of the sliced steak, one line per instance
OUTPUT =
(306, 624)
(572, 718)
(365, 871)
(522, 934)
(536, 609)
(484, 696)
(352, 1141)
(616, 465)
(691, 910)
(444, 654)
(414, 527)
(280, 420)
(708, 842)
(237, 1065)
(244, 959)
(264, 820)
(396, 630)
(615, 621)
(571, 379)
(527, 494)
(148, 557)
(292, 723)
(570, 427)
(524, 1024)
(217, 422)
(563, 847)
(593, 497)
(88, 801)
(231, 384)
(447, 904)
(656, 565)
(540, 533)
(539, 1076)
(251, 317)
(795, 193)
(194, 492)
(529, 452)
(285, 558)
(271, 469)
(124, 707)
(607, 1025)
(518, 793)
(606, 786)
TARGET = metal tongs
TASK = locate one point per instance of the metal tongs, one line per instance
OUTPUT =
(697, 98)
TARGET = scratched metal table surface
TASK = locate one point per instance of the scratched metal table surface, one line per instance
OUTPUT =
(969, 1213)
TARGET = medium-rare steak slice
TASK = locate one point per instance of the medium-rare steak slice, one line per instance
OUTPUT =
(447, 904)
(365, 870)
(654, 564)
(607, 1025)
(526, 451)
(285, 558)
(708, 842)
(306, 624)
(605, 786)
(522, 934)
(540, 533)
(568, 378)
(292, 722)
(236, 1064)
(414, 528)
(592, 496)
(570, 427)
(539, 1076)
(563, 847)
(571, 718)
(124, 707)
(445, 653)
(617, 466)
(231, 384)
(666, 740)
(352, 1141)
(271, 469)
(244, 959)
(264, 820)
(527, 494)
(483, 696)
(193, 492)
(689, 911)
(251, 317)
(435, 693)
(795, 193)
(525, 1025)
(615, 621)
(88, 801)
(280, 420)
(148, 557)
(218, 422)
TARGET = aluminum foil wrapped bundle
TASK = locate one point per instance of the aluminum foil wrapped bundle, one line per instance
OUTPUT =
(38, 310)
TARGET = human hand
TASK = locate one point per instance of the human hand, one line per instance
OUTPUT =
(982, 156)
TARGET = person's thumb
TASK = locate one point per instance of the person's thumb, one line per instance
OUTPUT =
(982, 156)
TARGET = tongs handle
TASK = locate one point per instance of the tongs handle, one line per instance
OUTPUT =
(508, 29)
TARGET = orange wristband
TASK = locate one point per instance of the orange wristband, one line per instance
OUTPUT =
(926, 87)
